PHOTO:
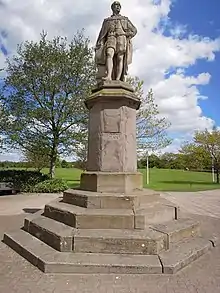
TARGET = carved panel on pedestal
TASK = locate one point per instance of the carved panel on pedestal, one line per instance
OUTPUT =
(111, 121)
(112, 152)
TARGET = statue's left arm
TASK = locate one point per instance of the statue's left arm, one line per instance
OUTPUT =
(131, 30)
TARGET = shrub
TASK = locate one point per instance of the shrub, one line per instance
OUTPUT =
(22, 180)
(51, 186)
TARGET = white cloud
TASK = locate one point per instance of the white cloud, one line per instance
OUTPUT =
(155, 55)
(177, 143)
(178, 96)
(11, 156)
(174, 147)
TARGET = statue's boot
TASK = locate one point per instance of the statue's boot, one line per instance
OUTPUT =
(106, 78)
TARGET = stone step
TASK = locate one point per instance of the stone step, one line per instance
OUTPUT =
(82, 218)
(31, 217)
(49, 260)
(95, 200)
(28, 247)
(120, 241)
(66, 239)
(55, 234)
(177, 230)
(154, 214)
(183, 253)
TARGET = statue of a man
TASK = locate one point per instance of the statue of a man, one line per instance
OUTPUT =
(114, 46)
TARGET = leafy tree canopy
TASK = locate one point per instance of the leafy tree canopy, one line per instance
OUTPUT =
(44, 92)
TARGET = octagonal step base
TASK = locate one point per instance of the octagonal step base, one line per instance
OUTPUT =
(150, 241)
(67, 239)
(51, 261)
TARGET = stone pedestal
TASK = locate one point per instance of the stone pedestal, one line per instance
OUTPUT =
(119, 182)
(109, 226)
(112, 157)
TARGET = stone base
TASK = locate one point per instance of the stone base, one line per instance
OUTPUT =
(111, 182)
(92, 233)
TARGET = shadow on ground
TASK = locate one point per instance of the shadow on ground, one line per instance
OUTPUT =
(31, 210)
(189, 183)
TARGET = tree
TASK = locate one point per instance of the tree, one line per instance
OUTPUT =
(154, 162)
(44, 92)
(64, 164)
(210, 141)
(37, 156)
(195, 156)
(2, 128)
(151, 128)
(81, 152)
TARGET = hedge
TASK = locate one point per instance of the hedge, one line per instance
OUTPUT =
(50, 186)
(22, 180)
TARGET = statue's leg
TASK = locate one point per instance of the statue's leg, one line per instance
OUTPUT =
(120, 64)
(120, 50)
(109, 63)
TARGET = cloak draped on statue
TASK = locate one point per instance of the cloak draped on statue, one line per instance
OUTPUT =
(100, 51)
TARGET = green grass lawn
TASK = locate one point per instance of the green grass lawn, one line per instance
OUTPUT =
(164, 180)
(179, 180)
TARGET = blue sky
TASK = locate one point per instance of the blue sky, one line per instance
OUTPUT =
(202, 18)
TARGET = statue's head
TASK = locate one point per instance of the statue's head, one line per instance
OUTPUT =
(116, 7)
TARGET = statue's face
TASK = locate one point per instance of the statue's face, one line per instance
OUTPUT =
(116, 7)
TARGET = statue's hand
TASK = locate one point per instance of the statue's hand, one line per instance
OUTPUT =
(129, 35)
(99, 45)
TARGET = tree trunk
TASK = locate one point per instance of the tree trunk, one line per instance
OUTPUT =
(53, 159)
(52, 167)
(217, 175)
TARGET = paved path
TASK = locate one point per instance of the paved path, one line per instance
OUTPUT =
(18, 275)
(21, 203)
(206, 203)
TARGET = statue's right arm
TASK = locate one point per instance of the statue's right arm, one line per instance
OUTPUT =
(101, 36)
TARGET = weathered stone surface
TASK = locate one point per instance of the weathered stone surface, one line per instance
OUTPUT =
(120, 241)
(201, 276)
(82, 218)
(137, 200)
(112, 131)
(183, 253)
(31, 217)
(153, 214)
(103, 264)
(214, 239)
(111, 182)
(51, 261)
(56, 234)
(113, 89)
(100, 200)
(93, 200)
(113, 84)
(28, 246)
(179, 229)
